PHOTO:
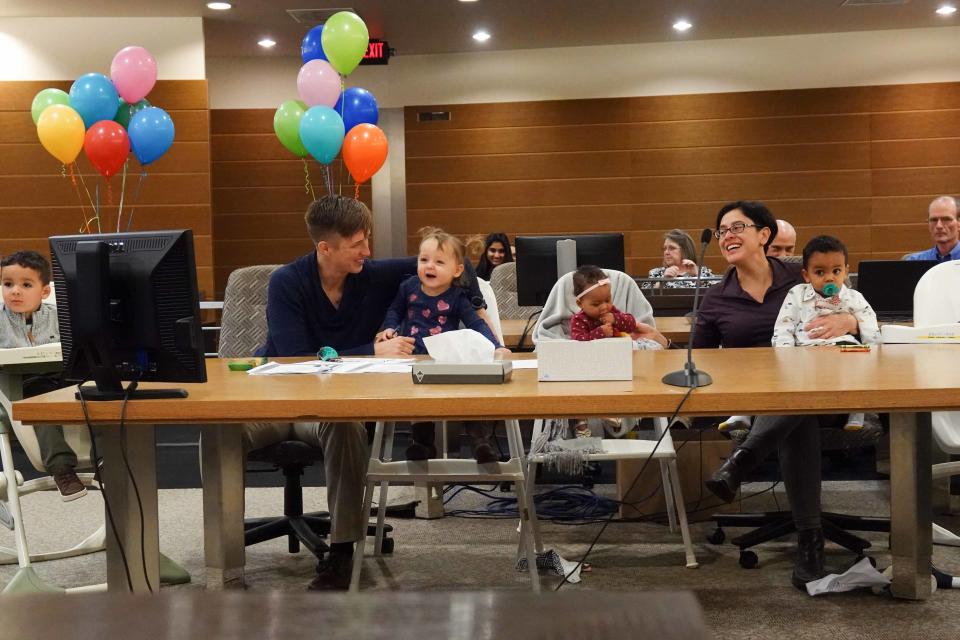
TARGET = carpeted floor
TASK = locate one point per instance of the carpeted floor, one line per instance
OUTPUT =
(463, 554)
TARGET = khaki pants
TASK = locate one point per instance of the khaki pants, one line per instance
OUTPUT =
(345, 456)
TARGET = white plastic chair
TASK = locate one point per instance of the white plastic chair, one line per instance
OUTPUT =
(13, 486)
(436, 473)
(556, 324)
(936, 301)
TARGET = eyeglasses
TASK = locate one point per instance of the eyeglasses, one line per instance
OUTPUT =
(736, 229)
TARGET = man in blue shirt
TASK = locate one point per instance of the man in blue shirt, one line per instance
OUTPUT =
(945, 231)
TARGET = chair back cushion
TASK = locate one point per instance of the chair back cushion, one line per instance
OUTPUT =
(561, 306)
(503, 279)
(243, 323)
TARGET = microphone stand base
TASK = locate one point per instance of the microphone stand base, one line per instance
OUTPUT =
(687, 378)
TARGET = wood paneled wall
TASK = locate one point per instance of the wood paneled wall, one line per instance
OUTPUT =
(37, 201)
(861, 163)
(259, 194)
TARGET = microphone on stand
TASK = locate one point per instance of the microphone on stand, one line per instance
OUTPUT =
(690, 376)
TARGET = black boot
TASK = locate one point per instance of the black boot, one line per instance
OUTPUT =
(809, 564)
(725, 481)
(422, 447)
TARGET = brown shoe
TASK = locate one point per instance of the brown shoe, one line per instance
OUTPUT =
(68, 483)
(333, 574)
(484, 454)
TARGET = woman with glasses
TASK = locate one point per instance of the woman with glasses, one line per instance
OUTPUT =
(679, 268)
(740, 311)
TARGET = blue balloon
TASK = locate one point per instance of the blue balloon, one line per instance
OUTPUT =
(312, 49)
(321, 131)
(151, 134)
(94, 97)
(357, 106)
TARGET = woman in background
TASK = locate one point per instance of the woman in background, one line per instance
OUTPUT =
(496, 251)
(679, 268)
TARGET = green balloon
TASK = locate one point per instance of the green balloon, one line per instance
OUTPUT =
(46, 98)
(286, 124)
(126, 111)
(344, 39)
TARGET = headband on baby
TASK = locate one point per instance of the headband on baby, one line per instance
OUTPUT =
(596, 285)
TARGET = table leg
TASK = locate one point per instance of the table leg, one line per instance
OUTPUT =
(910, 504)
(142, 550)
(222, 469)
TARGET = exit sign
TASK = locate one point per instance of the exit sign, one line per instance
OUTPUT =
(378, 52)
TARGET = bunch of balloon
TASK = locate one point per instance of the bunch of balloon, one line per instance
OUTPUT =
(106, 118)
(328, 117)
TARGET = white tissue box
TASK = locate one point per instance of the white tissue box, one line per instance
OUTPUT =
(570, 360)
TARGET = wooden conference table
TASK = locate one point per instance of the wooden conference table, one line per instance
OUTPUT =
(676, 328)
(905, 380)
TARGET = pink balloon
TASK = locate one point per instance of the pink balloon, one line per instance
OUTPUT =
(318, 83)
(134, 72)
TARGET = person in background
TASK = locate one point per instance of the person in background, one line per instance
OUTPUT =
(679, 269)
(496, 251)
(785, 242)
(26, 321)
(944, 229)
(741, 311)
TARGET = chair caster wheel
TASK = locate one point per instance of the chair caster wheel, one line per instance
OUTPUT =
(386, 546)
(749, 560)
(717, 536)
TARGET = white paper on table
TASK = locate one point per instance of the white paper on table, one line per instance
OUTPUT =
(461, 346)
(374, 365)
(295, 368)
(524, 364)
(863, 574)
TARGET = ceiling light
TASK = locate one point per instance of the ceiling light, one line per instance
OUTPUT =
(266, 43)
(481, 36)
(219, 6)
(947, 10)
(682, 25)
(468, 0)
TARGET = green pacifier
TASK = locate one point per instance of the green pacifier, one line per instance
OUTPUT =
(327, 354)
(831, 290)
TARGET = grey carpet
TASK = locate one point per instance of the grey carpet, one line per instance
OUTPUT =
(461, 554)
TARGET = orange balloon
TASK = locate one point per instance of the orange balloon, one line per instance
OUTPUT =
(364, 151)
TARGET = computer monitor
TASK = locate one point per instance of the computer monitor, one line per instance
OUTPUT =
(129, 310)
(537, 261)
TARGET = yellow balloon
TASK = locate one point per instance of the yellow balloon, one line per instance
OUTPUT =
(60, 129)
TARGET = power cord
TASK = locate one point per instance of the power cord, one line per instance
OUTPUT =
(99, 479)
(629, 489)
(527, 327)
(136, 490)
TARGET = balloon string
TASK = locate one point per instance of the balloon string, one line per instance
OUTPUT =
(356, 191)
(110, 200)
(136, 199)
(123, 189)
(96, 210)
(76, 187)
(327, 181)
(307, 187)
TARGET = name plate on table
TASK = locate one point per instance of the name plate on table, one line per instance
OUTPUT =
(571, 361)
(27, 355)
(937, 334)
(433, 372)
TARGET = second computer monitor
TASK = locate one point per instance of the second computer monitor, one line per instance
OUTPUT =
(537, 261)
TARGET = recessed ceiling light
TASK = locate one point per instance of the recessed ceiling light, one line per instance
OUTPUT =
(219, 6)
(682, 25)
(947, 10)
(468, 0)
(266, 43)
(481, 36)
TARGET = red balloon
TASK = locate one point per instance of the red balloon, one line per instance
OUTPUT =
(364, 151)
(107, 146)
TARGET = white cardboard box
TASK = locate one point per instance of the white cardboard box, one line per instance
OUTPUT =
(570, 360)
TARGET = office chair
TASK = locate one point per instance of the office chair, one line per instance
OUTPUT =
(243, 331)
